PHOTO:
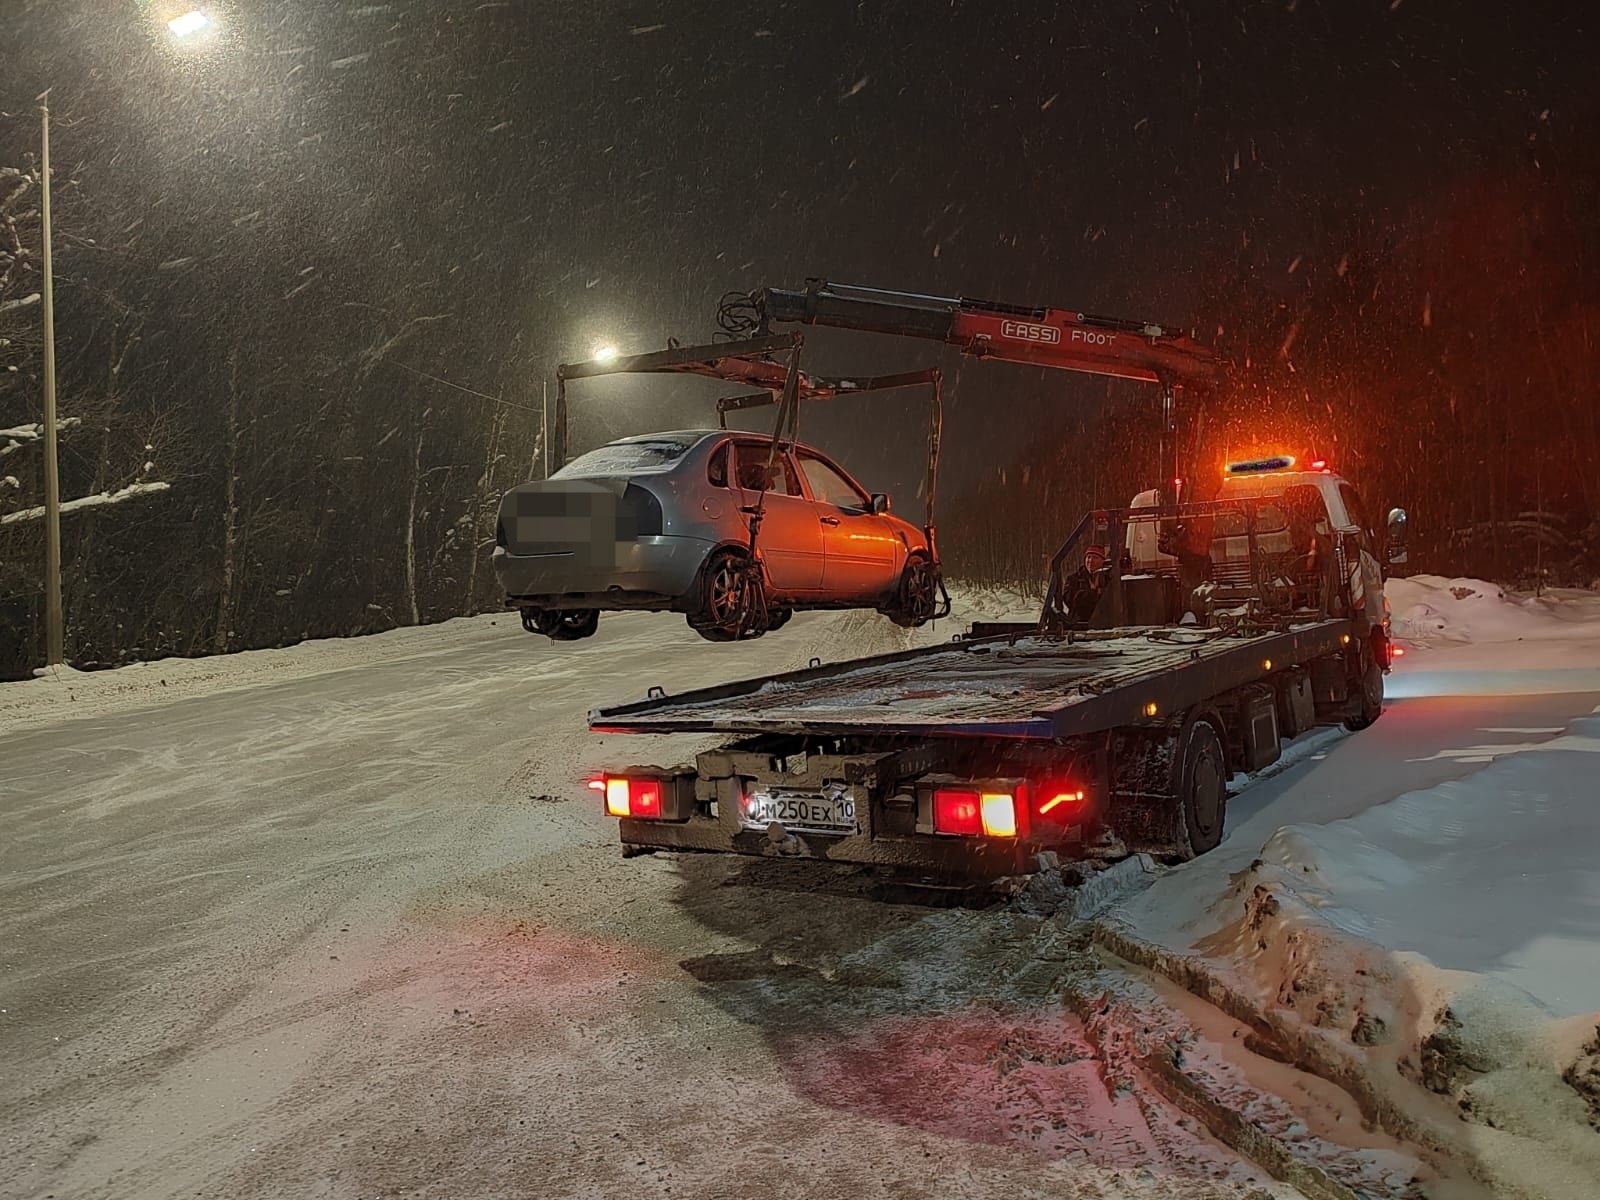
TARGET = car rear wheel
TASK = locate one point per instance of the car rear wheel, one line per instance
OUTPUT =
(562, 625)
(918, 594)
(729, 608)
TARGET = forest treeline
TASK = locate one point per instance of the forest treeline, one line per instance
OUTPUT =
(1448, 362)
(325, 478)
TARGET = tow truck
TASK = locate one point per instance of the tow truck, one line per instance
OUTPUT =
(1221, 629)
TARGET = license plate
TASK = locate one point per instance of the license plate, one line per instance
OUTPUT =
(831, 810)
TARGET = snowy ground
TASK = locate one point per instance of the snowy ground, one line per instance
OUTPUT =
(339, 920)
(1441, 934)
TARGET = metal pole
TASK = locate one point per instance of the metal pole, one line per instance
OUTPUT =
(544, 426)
(53, 638)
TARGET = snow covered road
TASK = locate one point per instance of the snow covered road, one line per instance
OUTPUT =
(340, 921)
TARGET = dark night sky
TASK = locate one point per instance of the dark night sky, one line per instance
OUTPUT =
(561, 173)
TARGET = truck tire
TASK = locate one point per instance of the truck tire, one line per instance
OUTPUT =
(1170, 795)
(1370, 697)
(1202, 787)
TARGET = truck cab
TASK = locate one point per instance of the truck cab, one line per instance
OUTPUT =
(1302, 513)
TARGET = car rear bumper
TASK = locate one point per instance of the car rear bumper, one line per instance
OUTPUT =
(649, 572)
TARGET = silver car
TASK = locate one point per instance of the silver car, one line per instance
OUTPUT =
(661, 523)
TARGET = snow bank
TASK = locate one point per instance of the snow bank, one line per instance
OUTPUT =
(1430, 609)
(62, 693)
(1497, 874)
(1483, 640)
(1447, 940)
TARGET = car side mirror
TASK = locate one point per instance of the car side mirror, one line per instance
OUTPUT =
(1396, 541)
(880, 502)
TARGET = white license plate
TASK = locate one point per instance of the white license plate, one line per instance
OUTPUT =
(830, 811)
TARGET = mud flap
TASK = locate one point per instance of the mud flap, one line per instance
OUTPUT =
(1144, 802)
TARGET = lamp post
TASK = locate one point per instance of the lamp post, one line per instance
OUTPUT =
(182, 26)
(53, 634)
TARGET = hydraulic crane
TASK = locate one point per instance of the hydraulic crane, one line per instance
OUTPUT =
(1057, 338)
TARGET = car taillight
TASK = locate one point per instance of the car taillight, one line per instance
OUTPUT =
(967, 812)
(636, 798)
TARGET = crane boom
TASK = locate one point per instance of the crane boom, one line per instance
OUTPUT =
(1055, 338)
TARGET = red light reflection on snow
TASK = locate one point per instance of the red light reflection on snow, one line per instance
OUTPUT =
(1029, 1081)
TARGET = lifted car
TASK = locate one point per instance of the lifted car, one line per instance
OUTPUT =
(661, 523)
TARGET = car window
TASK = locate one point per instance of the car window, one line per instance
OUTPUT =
(625, 458)
(830, 487)
(752, 459)
(717, 472)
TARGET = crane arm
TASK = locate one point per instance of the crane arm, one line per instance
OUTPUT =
(1045, 337)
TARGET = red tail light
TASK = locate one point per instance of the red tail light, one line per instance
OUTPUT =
(966, 812)
(957, 811)
(637, 798)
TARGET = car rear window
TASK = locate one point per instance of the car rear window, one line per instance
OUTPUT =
(625, 458)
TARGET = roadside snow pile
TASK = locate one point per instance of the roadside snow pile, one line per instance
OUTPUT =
(1482, 640)
(1428, 609)
(1448, 939)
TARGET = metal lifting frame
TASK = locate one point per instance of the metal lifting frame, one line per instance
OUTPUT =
(1035, 335)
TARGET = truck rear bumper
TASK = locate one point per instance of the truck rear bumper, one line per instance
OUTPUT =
(966, 858)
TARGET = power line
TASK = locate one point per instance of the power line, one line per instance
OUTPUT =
(463, 388)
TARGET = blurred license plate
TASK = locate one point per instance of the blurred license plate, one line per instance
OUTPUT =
(829, 811)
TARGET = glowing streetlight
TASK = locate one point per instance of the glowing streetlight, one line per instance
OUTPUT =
(186, 24)
(604, 353)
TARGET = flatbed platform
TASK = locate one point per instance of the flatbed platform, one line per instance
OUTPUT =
(1031, 686)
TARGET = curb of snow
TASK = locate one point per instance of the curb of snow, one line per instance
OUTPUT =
(1313, 1050)
(1142, 1042)
(1193, 1094)
(1194, 975)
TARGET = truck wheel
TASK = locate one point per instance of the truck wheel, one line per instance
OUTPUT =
(726, 610)
(1371, 698)
(917, 595)
(1202, 790)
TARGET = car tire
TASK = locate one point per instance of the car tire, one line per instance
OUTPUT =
(1202, 789)
(917, 596)
(562, 625)
(725, 609)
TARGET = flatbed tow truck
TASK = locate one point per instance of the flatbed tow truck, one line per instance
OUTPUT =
(1088, 737)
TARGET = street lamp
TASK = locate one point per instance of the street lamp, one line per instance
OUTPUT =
(604, 353)
(187, 24)
(54, 637)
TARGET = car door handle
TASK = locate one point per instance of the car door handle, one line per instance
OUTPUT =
(829, 520)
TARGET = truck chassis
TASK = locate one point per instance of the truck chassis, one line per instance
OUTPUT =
(1098, 742)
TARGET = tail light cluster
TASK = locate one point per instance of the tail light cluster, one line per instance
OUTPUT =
(646, 797)
(1002, 808)
(968, 812)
